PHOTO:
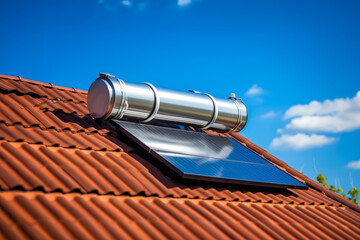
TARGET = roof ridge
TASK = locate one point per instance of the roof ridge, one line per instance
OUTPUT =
(311, 183)
(48, 85)
(19, 93)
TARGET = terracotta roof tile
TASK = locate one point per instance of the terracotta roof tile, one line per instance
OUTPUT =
(66, 138)
(23, 109)
(40, 215)
(25, 86)
(110, 190)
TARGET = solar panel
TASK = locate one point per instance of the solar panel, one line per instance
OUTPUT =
(202, 156)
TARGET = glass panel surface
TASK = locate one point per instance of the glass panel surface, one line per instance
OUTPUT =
(190, 143)
(229, 170)
(208, 157)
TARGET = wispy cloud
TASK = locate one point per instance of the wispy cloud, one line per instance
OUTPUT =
(126, 2)
(279, 130)
(254, 90)
(118, 5)
(354, 165)
(270, 114)
(300, 141)
(140, 5)
(183, 3)
(338, 115)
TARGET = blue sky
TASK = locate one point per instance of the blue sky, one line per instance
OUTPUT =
(296, 64)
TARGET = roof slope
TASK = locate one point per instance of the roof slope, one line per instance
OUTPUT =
(63, 175)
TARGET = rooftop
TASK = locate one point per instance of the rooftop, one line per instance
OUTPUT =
(65, 175)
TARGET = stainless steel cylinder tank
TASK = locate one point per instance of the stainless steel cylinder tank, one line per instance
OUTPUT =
(109, 97)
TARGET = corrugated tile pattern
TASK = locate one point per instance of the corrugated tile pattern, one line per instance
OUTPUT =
(66, 138)
(43, 216)
(35, 166)
(49, 91)
(23, 109)
(49, 143)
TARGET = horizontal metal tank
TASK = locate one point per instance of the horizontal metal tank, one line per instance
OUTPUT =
(109, 97)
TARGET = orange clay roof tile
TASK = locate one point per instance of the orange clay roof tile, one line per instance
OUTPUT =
(64, 175)
(65, 139)
(53, 215)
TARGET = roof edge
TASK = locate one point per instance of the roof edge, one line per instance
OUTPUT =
(311, 183)
(48, 85)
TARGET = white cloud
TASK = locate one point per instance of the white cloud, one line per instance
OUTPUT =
(126, 2)
(330, 116)
(270, 114)
(346, 121)
(280, 130)
(338, 115)
(254, 90)
(354, 165)
(300, 141)
(325, 107)
(182, 3)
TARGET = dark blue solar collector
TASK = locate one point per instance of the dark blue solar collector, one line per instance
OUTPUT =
(207, 157)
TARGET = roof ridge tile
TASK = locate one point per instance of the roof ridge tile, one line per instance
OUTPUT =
(48, 85)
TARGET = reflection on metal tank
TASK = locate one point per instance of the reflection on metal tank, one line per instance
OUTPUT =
(109, 97)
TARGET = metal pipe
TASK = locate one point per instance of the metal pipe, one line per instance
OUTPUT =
(109, 97)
